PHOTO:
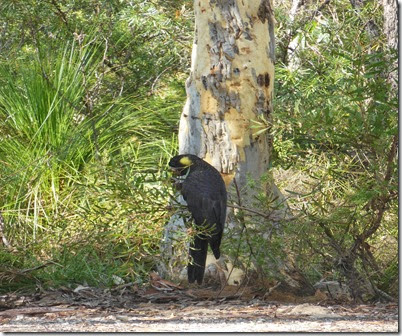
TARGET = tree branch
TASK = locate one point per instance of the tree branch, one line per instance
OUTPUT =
(262, 214)
(382, 200)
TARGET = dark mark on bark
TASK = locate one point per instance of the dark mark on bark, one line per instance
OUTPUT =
(263, 105)
(246, 34)
(204, 82)
(265, 13)
(260, 80)
(263, 80)
(266, 79)
(195, 36)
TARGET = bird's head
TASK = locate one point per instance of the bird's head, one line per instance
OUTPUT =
(179, 164)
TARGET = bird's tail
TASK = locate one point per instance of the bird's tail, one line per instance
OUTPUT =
(215, 243)
(198, 252)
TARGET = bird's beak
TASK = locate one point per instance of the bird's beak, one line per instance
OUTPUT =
(175, 170)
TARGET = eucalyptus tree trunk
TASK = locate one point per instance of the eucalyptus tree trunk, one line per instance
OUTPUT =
(228, 113)
(230, 87)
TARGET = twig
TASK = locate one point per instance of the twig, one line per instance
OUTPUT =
(292, 32)
(35, 311)
(62, 15)
(122, 286)
(319, 9)
(3, 237)
(50, 262)
(249, 210)
(268, 293)
(166, 288)
(383, 294)
(331, 237)
(157, 78)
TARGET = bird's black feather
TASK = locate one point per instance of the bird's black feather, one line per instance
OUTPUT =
(198, 253)
(205, 193)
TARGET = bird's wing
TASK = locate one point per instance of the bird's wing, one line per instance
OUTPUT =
(204, 206)
(207, 204)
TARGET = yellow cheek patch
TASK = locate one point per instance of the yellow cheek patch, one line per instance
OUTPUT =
(185, 161)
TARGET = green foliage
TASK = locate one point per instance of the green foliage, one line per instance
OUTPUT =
(141, 40)
(253, 239)
(89, 102)
(90, 95)
(335, 126)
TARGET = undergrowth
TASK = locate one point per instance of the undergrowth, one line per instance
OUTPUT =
(83, 183)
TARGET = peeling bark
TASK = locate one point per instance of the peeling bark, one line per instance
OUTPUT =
(230, 85)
